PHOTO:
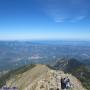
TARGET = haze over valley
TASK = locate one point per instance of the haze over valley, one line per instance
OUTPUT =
(18, 53)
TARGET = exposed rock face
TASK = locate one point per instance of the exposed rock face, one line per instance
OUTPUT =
(42, 78)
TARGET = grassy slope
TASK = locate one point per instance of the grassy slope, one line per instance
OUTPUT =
(83, 74)
(28, 78)
(20, 70)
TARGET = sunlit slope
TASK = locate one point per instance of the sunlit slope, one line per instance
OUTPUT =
(41, 78)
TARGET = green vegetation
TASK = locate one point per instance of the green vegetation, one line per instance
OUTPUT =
(76, 68)
(83, 74)
(12, 73)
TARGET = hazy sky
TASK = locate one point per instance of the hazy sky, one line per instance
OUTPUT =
(44, 19)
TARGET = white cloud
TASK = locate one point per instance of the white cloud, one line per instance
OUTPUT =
(65, 10)
(80, 17)
(59, 19)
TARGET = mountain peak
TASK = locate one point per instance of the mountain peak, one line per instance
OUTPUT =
(41, 77)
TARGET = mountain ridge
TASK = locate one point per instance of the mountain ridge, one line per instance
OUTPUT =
(41, 77)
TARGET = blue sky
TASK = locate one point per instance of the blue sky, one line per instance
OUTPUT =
(44, 19)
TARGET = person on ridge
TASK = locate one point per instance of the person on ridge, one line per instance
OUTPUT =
(63, 84)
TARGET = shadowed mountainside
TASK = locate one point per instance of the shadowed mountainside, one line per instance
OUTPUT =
(76, 68)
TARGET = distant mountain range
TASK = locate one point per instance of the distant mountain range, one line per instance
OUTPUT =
(68, 65)
(14, 54)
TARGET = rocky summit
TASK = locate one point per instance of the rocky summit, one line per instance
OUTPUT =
(41, 77)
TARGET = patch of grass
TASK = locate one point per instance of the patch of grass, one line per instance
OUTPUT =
(12, 73)
(83, 74)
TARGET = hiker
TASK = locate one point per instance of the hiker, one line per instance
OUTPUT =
(63, 84)
(68, 85)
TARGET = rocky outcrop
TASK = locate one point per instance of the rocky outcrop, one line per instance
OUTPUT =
(42, 78)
